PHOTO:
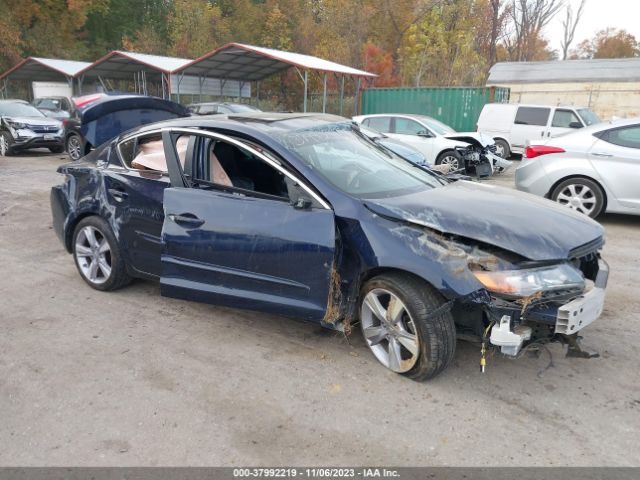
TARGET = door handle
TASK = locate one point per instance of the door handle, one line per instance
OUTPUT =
(186, 219)
(117, 193)
(600, 154)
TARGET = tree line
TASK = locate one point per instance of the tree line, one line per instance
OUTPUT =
(406, 42)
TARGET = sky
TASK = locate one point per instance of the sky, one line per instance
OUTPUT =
(597, 15)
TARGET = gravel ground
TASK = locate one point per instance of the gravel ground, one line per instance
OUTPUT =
(131, 378)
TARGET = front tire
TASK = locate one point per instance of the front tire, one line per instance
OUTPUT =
(580, 194)
(98, 256)
(396, 322)
(5, 144)
(451, 158)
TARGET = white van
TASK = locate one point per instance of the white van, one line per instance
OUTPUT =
(514, 125)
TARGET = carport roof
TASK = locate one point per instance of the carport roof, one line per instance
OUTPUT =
(593, 70)
(120, 64)
(236, 61)
(44, 69)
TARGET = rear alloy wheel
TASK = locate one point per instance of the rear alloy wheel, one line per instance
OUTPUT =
(399, 330)
(5, 142)
(580, 194)
(97, 255)
(502, 149)
(451, 158)
(74, 146)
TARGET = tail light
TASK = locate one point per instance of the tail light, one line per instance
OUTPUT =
(536, 150)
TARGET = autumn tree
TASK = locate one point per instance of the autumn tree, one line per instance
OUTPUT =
(609, 43)
(528, 18)
(380, 62)
(569, 25)
(195, 27)
(441, 48)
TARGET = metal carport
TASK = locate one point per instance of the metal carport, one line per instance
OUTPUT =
(139, 68)
(246, 63)
(36, 69)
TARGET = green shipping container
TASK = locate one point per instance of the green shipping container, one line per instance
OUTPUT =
(458, 107)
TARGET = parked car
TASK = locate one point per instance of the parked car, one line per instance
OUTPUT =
(409, 153)
(22, 127)
(59, 108)
(592, 170)
(513, 125)
(302, 215)
(99, 117)
(438, 142)
(214, 108)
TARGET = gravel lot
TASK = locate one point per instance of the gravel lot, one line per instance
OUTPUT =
(131, 378)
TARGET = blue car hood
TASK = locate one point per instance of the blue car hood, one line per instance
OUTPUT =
(110, 116)
(533, 227)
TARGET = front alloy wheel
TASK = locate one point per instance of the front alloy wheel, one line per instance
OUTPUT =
(5, 149)
(403, 326)
(389, 330)
(452, 159)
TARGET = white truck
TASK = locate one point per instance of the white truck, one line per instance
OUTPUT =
(512, 125)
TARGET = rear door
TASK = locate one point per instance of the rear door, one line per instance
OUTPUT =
(563, 120)
(530, 126)
(616, 158)
(241, 230)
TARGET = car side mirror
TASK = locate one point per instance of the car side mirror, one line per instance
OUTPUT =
(575, 125)
(302, 203)
(424, 133)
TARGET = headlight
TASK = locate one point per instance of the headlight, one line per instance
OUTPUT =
(15, 125)
(523, 283)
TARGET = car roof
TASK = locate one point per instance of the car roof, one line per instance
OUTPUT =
(266, 122)
(218, 103)
(516, 105)
(14, 100)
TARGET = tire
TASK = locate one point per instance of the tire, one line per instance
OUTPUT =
(86, 252)
(56, 149)
(75, 146)
(435, 336)
(5, 142)
(452, 158)
(503, 146)
(581, 194)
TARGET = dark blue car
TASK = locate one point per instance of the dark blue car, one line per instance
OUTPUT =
(302, 215)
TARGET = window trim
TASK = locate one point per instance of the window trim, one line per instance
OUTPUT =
(564, 109)
(549, 116)
(253, 151)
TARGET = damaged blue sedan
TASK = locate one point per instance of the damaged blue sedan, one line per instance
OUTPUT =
(302, 215)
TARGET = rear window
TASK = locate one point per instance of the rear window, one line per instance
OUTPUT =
(381, 124)
(628, 137)
(532, 116)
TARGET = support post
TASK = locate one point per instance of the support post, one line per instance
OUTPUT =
(306, 82)
(80, 82)
(324, 94)
(341, 94)
(356, 100)
(258, 94)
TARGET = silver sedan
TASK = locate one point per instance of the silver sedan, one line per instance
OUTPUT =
(593, 170)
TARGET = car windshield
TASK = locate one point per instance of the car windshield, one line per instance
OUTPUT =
(354, 164)
(437, 126)
(48, 103)
(588, 116)
(19, 110)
